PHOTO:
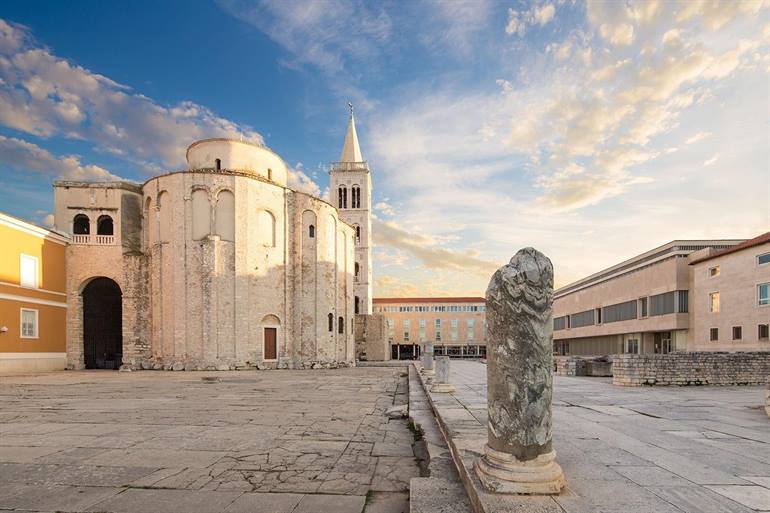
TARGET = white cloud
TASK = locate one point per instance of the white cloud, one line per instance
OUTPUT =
(698, 137)
(44, 95)
(24, 156)
(520, 21)
(299, 181)
(712, 160)
(426, 249)
(385, 208)
(328, 34)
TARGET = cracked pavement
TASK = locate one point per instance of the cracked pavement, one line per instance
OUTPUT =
(273, 441)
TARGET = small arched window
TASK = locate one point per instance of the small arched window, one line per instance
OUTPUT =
(218, 164)
(357, 269)
(104, 226)
(266, 227)
(331, 322)
(270, 174)
(357, 305)
(355, 197)
(342, 197)
(340, 325)
(81, 225)
(358, 234)
(311, 231)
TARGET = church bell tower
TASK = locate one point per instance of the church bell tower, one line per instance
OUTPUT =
(351, 192)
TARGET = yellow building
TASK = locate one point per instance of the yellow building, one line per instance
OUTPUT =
(33, 304)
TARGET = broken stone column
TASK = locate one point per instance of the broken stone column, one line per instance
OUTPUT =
(519, 457)
(441, 383)
(427, 358)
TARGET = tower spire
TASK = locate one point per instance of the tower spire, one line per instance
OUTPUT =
(351, 151)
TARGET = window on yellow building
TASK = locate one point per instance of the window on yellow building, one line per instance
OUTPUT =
(28, 323)
(28, 271)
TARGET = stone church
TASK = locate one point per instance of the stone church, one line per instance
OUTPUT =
(219, 266)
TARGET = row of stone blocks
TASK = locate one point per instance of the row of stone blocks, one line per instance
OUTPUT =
(698, 368)
(583, 366)
(223, 366)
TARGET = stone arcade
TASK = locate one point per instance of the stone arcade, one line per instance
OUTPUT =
(219, 266)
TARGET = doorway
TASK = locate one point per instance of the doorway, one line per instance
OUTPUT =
(102, 324)
(663, 342)
(271, 345)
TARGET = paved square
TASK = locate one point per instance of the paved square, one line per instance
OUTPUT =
(646, 449)
(275, 441)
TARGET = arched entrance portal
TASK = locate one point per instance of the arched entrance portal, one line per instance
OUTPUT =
(102, 324)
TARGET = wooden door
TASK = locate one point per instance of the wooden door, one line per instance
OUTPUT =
(271, 346)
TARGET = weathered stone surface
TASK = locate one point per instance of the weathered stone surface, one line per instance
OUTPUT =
(272, 436)
(697, 368)
(427, 357)
(518, 456)
(441, 383)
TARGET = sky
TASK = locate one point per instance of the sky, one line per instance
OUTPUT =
(592, 131)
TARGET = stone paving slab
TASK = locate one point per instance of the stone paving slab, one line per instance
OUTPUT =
(692, 450)
(150, 441)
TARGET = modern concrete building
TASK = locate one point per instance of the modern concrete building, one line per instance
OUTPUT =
(730, 298)
(351, 191)
(217, 266)
(33, 303)
(455, 325)
(641, 305)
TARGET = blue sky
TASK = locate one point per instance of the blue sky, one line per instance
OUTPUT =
(590, 130)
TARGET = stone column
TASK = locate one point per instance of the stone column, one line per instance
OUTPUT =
(519, 457)
(427, 358)
(441, 383)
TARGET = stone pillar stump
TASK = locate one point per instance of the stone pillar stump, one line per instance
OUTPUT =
(427, 358)
(519, 457)
(441, 383)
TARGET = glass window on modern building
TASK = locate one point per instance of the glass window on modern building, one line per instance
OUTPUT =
(422, 330)
(631, 346)
(406, 330)
(470, 329)
(763, 294)
(453, 325)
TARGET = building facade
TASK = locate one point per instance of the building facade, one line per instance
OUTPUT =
(215, 267)
(652, 303)
(455, 325)
(730, 303)
(351, 191)
(33, 303)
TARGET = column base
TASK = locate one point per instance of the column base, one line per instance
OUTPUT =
(501, 472)
(443, 388)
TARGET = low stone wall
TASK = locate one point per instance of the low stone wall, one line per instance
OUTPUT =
(701, 368)
(582, 365)
(570, 366)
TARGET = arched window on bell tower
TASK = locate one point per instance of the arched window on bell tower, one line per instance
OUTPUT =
(342, 197)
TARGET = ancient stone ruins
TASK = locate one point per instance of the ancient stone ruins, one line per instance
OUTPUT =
(519, 457)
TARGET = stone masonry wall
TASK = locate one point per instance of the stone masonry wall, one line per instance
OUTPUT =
(570, 366)
(702, 368)
(372, 338)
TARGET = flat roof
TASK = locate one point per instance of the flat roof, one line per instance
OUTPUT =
(756, 241)
(673, 248)
(391, 300)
